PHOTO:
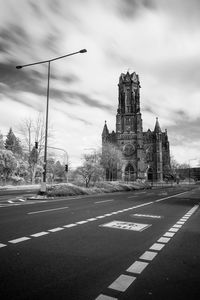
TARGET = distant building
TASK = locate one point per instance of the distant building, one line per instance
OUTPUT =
(145, 155)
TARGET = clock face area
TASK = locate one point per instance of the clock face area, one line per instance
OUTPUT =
(128, 149)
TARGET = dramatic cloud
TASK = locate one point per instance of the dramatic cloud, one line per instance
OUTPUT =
(158, 39)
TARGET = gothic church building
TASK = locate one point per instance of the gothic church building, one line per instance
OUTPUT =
(144, 155)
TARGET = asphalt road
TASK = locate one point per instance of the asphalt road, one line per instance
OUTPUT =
(133, 245)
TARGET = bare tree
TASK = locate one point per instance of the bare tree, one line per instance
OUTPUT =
(33, 138)
(111, 160)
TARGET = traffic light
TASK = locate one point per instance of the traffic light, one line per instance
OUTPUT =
(66, 168)
(36, 145)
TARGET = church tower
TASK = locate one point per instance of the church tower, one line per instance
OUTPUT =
(129, 134)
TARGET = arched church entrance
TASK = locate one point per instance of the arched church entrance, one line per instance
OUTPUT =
(150, 174)
(129, 173)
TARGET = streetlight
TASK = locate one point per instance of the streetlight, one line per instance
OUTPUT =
(43, 187)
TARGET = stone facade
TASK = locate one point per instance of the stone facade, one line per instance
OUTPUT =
(145, 155)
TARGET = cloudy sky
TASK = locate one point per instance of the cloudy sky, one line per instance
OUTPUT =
(158, 39)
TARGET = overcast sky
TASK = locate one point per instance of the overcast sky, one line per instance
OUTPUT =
(158, 39)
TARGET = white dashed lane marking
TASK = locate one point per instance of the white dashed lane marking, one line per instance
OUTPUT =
(91, 219)
(169, 234)
(137, 267)
(39, 234)
(102, 201)
(173, 229)
(81, 222)
(47, 210)
(122, 283)
(69, 225)
(177, 226)
(56, 229)
(2, 245)
(157, 246)
(163, 240)
(19, 240)
(148, 255)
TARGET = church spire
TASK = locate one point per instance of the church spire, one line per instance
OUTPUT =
(157, 126)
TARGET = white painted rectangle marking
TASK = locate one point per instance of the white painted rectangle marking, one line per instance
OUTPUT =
(19, 240)
(100, 217)
(137, 267)
(126, 225)
(107, 215)
(122, 283)
(39, 234)
(2, 245)
(147, 216)
(169, 234)
(173, 229)
(81, 222)
(180, 222)
(56, 229)
(69, 225)
(91, 219)
(104, 297)
(157, 246)
(148, 255)
(163, 240)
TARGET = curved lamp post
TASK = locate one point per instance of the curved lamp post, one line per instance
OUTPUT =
(43, 187)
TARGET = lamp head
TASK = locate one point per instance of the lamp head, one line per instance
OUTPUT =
(18, 67)
(83, 51)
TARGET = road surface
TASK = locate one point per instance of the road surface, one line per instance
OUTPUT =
(132, 245)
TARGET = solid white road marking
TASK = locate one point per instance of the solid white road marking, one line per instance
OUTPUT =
(169, 234)
(104, 201)
(104, 297)
(122, 283)
(2, 245)
(148, 255)
(46, 210)
(157, 246)
(56, 229)
(39, 234)
(19, 240)
(137, 267)
(163, 240)
(100, 217)
(69, 225)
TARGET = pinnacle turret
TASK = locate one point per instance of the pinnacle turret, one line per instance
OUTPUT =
(157, 128)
